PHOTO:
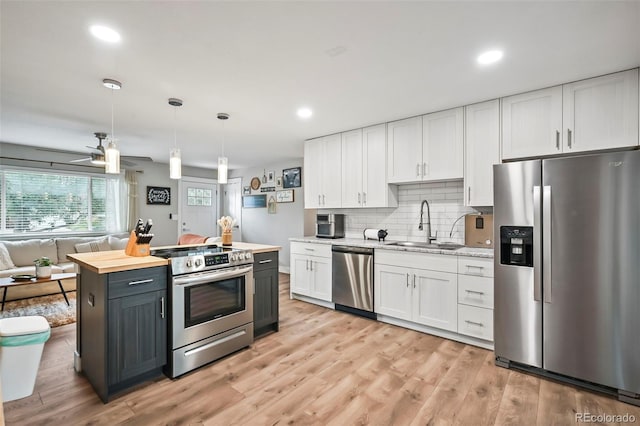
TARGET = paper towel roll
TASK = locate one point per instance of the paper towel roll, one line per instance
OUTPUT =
(371, 234)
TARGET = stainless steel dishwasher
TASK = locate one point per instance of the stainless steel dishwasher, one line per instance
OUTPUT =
(352, 280)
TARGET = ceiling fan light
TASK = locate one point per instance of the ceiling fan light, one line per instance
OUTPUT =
(175, 164)
(112, 159)
(98, 159)
(223, 163)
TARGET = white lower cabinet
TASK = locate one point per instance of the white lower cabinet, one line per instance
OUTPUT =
(475, 297)
(311, 270)
(418, 295)
(449, 296)
(475, 322)
(435, 299)
(392, 293)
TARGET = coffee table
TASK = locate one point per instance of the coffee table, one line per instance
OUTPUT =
(5, 283)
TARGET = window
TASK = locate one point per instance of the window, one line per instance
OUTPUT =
(43, 202)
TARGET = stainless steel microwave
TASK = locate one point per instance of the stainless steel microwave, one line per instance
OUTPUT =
(330, 225)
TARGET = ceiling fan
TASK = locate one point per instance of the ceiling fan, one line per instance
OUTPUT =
(97, 157)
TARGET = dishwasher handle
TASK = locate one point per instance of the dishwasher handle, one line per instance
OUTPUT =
(352, 250)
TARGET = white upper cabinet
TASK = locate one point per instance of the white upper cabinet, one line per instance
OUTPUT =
(443, 145)
(364, 179)
(426, 148)
(323, 175)
(404, 150)
(601, 112)
(482, 151)
(532, 123)
(352, 164)
(593, 114)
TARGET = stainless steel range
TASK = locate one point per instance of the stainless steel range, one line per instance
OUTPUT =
(211, 304)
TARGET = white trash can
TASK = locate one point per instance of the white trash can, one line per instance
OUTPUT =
(21, 344)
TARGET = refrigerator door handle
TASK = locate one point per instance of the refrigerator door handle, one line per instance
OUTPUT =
(537, 248)
(546, 243)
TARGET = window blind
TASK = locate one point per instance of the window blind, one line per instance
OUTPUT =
(40, 202)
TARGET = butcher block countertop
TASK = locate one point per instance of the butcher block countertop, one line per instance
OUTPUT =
(104, 262)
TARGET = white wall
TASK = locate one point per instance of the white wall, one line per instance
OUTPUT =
(258, 226)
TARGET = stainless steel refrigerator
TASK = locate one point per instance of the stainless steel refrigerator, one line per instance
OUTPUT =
(567, 268)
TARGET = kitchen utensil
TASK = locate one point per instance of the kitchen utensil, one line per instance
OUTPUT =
(375, 234)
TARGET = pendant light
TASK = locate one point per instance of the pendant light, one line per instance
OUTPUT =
(175, 161)
(223, 162)
(111, 153)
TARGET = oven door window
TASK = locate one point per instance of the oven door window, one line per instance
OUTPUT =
(210, 301)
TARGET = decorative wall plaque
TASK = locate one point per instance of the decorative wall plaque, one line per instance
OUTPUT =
(158, 195)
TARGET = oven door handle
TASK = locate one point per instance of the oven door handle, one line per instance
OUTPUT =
(204, 278)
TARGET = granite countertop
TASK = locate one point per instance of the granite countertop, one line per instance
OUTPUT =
(359, 242)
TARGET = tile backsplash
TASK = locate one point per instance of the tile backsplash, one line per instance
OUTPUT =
(445, 200)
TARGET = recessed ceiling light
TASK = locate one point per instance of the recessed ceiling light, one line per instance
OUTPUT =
(489, 57)
(304, 112)
(105, 33)
(111, 84)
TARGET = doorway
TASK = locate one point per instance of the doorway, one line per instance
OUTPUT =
(232, 204)
(198, 208)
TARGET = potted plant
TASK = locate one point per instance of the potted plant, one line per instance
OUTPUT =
(43, 267)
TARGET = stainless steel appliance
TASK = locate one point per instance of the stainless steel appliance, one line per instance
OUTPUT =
(211, 305)
(352, 280)
(330, 225)
(567, 269)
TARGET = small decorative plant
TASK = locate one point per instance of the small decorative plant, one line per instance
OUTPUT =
(42, 261)
(43, 267)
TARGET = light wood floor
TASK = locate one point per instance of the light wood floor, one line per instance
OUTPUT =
(323, 367)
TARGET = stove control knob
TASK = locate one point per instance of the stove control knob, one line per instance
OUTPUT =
(198, 262)
(233, 257)
(189, 263)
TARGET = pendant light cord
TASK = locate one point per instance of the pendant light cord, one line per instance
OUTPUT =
(223, 137)
(175, 125)
(113, 136)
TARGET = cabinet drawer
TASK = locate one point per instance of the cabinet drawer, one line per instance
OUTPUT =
(478, 266)
(475, 322)
(263, 261)
(475, 291)
(407, 259)
(311, 249)
(137, 281)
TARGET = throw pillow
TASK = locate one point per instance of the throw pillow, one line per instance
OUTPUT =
(118, 243)
(24, 251)
(5, 259)
(93, 246)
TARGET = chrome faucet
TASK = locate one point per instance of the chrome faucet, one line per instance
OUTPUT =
(430, 239)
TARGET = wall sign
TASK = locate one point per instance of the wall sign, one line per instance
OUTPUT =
(254, 201)
(292, 177)
(158, 195)
(285, 196)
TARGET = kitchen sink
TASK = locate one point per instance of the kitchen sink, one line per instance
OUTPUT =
(441, 246)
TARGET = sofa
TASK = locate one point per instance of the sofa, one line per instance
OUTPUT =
(17, 257)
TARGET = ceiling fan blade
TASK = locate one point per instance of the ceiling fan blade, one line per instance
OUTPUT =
(136, 157)
(61, 151)
(127, 163)
(79, 160)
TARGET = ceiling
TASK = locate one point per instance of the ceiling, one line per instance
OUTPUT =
(353, 63)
